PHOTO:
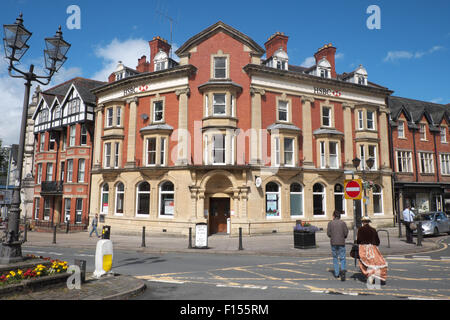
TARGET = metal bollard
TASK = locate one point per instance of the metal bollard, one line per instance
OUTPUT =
(67, 226)
(82, 265)
(143, 237)
(25, 232)
(190, 238)
(54, 234)
(419, 234)
(240, 239)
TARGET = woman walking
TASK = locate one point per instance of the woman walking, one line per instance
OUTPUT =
(371, 262)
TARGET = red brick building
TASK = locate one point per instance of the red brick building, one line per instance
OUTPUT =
(420, 152)
(63, 127)
(234, 139)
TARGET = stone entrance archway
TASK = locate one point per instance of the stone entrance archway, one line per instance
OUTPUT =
(218, 201)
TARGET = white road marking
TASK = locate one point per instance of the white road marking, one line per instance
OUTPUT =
(422, 257)
(166, 281)
(246, 286)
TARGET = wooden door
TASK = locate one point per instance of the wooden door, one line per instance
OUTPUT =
(219, 212)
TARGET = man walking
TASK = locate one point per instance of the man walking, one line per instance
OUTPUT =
(94, 226)
(337, 231)
(408, 217)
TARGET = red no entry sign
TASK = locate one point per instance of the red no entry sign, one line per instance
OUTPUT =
(353, 189)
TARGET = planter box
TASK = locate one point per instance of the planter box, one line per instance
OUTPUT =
(45, 282)
(304, 240)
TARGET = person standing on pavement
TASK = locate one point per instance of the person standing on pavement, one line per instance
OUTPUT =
(408, 217)
(371, 261)
(337, 231)
(94, 226)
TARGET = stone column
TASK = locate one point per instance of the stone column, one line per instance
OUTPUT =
(183, 136)
(348, 138)
(307, 132)
(256, 123)
(98, 136)
(384, 139)
(132, 124)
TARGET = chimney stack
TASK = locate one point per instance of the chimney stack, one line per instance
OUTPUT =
(157, 44)
(143, 65)
(275, 42)
(327, 51)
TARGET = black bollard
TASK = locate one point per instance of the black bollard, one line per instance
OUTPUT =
(419, 234)
(67, 226)
(190, 238)
(143, 237)
(240, 239)
(25, 232)
(54, 234)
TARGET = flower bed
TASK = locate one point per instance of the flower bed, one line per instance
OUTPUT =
(18, 275)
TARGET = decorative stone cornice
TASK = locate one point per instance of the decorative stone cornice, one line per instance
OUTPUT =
(133, 99)
(307, 99)
(254, 91)
(186, 91)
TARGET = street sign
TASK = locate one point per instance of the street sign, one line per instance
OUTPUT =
(353, 189)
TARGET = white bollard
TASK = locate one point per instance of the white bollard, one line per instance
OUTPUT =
(103, 258)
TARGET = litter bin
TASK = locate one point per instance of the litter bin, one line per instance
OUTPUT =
(106, 232)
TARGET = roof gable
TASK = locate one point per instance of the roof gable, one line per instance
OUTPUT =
(214, 29)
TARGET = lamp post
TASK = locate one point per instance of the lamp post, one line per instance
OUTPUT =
(369, 162)
(16, 37)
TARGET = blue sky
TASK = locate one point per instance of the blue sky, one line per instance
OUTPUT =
(410, 54)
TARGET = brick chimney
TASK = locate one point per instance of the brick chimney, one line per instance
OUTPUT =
(327, 51)
(157, 44)
(143, 65)
(275, 42)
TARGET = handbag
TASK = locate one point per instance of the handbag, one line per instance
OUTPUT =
(354, 252)
(412, 226)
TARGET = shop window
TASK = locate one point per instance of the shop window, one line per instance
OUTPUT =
(143, 199)
(339, 199)
(377, 195)
(104, 199)
(272, 200)
(120, 193)
(78, 210)
(166, 199)
(296, 199)
(318, 200)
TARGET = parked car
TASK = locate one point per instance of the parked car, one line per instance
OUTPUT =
(434, 223)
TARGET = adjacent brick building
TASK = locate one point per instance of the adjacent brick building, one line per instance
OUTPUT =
(63, 128)
(420, 151)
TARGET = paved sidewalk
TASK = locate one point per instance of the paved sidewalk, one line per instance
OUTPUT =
(271, 244)
(122, 287)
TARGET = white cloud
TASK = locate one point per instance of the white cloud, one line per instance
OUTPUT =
(308, 62)
(396, 55)
(339, 56)
(128, 51)
(437, 100)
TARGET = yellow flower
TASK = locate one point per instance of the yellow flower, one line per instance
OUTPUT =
(38, 273)
(7, 277)
(19, 272)
(13, 273)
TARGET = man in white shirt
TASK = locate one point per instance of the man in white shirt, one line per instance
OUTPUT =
(408, 217)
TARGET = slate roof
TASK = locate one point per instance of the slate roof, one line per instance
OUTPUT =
(415, 110)
(83, 86)
(157, 127)
(283, 126)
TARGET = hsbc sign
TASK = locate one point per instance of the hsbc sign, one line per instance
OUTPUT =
(327, 92)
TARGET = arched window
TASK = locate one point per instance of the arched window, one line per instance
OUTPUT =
(272, 200)
(166, 199)
(120, 191)
(339, 199)
(377, 195)
(104, 199)
(318, 200)
(143, 199)
(296, 196)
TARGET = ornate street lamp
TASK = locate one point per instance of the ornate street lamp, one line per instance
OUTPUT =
(15, 43)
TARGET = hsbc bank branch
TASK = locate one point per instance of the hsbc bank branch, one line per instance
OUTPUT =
(236, 136)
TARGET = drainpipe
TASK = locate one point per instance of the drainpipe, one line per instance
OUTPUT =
(415, 154)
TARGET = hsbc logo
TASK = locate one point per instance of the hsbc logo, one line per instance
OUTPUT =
(327, 92)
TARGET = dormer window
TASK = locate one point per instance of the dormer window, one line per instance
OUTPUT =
(323, 69)
(161, 61)
(280, 59)
(360, 76)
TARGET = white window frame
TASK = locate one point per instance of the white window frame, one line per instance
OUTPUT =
(374, 156)
(67, 208)
(405, 157)
(328, 117)
(78, 211)
(116, 154)
(323, 194)
(118, 116)
(81, 169)
(215, 104)
(122, 194)
(69, 170)
(215, 148)
(107, 157)
(301, 193)
(323, 155)
(344, 203)
(42, 143)
(162, 152)
(360, 119)
(160, 112)
(283, 108)
(37, 205)
(277, 151)
(104, 192)
(49, 172)
(443, 134)
(333, 156)
(292, 152)
(215, 68)
(401, 132)
(72, 135)
(370, 121)
(445, 163)
(137, 200)
(147, 152)
(109, 117)
(161, 193)
(426, 162)
(380, 194)
(423, 131)
(278, 196)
